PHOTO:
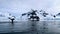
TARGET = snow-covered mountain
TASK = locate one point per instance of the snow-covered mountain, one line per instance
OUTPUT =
(17, 7)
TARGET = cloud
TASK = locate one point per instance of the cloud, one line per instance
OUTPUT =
(16, 7)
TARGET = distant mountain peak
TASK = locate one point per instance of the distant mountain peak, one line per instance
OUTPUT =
(58, 14)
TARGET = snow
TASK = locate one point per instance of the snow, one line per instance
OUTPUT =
(17, 7)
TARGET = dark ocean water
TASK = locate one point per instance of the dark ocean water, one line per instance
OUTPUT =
(30, 27)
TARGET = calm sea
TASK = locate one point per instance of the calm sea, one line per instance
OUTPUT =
(30, 27)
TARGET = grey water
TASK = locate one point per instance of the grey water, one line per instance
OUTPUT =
(30, 27)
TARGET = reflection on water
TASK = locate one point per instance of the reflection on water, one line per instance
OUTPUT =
(31, 27)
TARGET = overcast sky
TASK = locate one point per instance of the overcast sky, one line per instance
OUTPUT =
(16, 7)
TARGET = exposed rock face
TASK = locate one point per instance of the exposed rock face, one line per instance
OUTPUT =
(34, 18)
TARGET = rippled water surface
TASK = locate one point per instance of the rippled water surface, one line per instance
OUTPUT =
(31, 27)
